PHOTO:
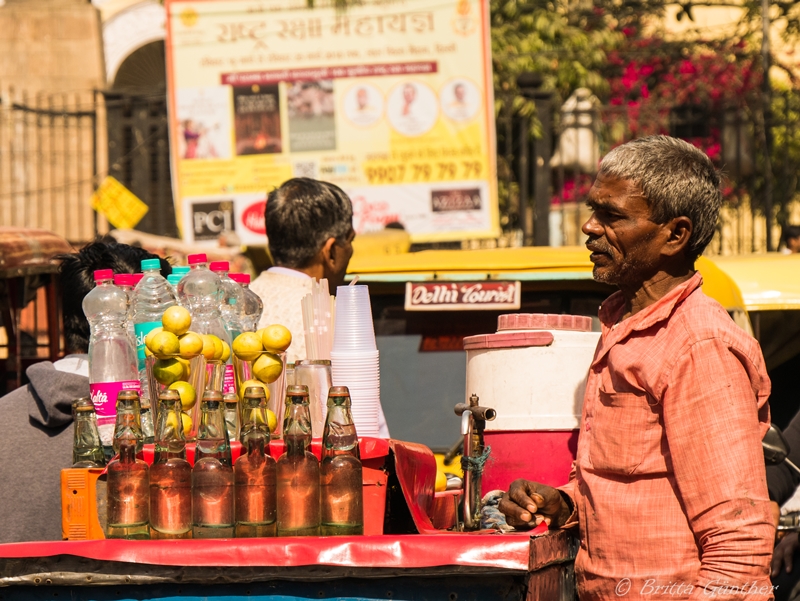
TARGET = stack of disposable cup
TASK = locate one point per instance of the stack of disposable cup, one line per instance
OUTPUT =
(354, 357)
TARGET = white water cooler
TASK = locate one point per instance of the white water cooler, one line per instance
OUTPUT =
(533, 373)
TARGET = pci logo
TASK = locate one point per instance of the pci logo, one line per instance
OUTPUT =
(253, 217)
(210, 219)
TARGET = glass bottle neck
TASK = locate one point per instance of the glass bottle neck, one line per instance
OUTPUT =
(255, 417)
(255, 442)
(297, 433)
(87, 450)
(169, 441)
(128, 427)
(127, 452)
(212, 435)
(340, 435)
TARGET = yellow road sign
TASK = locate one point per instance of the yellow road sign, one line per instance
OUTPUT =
(121, 207)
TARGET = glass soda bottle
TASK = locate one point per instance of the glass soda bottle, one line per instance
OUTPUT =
(170, 474)
(87, 450)
(298, 471)
(255, 471)
(128, 490)
(253, 306)
(200, 291)
(152, 296)
(341, 483)
(233, 299)
(231, 413)
(129, 420)
(112, 359)
(212, 475)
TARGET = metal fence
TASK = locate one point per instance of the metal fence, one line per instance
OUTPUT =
(138, 155)
(546, 178)
(48, 161)
(56, 148)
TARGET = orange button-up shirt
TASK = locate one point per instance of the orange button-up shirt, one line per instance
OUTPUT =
(669, 484)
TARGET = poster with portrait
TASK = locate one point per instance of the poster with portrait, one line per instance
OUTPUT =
(390, 99)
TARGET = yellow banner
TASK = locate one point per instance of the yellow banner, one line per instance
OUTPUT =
(121, 207)
(391, 100)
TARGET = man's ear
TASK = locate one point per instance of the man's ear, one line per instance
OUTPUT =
(328, 253)
(680, 231)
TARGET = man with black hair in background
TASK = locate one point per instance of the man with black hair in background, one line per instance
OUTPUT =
(791, 239)
(36, 430)
(310, 233)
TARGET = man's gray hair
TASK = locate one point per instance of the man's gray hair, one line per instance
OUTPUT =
(677, 180)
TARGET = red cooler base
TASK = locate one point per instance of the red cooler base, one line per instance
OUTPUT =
(541, 456)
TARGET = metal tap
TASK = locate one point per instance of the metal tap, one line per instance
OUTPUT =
(473, 421)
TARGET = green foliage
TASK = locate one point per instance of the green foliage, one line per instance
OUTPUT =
(540, 37)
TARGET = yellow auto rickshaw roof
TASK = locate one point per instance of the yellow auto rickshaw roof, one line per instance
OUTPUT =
(531, 263)
(768, 281)
(440, 264)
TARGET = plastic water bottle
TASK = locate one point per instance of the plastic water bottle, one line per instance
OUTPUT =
(253, 307)
(152, 296)
(200, 291)
(233, 299)
(173, 281)
(176, 276)
(180, 270)
(124, 281)
(112, 358)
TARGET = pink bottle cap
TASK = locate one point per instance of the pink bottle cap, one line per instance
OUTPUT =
(196, 259)
(123, 279)
(103, 274)
(137, 277)
(219, 266)
(240, 278)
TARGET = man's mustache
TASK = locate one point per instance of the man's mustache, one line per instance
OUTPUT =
(598, 245)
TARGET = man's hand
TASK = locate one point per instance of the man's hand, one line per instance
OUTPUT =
(784, 553)
(530, 503)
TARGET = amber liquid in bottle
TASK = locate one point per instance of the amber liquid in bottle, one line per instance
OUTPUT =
(341, 482)
(298, 472)
(128, 495)
(170, 474)
(212, 475)
(255, 474)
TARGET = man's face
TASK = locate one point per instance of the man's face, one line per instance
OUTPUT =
(626, 245)
(409, 93)
(793, 244)
(361, 98)
(458, 91)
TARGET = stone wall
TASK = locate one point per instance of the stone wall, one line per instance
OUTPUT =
(51, 45)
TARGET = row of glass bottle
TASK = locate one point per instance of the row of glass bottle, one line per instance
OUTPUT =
(257, 496)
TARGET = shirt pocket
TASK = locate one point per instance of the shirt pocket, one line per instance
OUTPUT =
(621, 431)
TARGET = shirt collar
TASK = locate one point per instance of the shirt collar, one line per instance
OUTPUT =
(292, 272)
(612, 309)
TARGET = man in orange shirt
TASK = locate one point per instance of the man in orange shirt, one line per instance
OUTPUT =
(668, 488)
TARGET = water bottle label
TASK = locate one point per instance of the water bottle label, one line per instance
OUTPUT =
(142, 330)
(104, 397)
(229, 382)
